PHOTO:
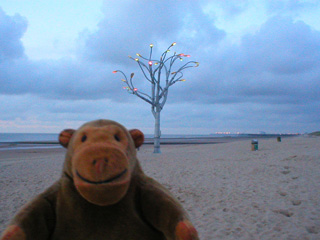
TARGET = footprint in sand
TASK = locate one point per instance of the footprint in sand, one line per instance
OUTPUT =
(296, 202)
(286, 171)
(283, 212)
(289, 158)
(283, 194)
(312, 229)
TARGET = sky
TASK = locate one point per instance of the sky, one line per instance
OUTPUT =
(259, 64)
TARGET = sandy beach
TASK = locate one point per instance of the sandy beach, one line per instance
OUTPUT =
(229, 191)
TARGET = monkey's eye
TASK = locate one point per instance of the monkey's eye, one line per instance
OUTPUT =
(84, 138)
(116, 137)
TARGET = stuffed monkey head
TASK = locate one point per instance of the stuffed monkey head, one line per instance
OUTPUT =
(101, 158)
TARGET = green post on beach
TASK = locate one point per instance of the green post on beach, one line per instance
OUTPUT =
(254, 145)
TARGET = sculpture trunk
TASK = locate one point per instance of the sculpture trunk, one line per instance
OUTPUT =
(157, 132)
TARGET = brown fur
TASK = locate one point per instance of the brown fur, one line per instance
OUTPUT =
(102, 194)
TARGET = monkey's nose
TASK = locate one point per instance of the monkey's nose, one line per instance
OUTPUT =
(100, 164)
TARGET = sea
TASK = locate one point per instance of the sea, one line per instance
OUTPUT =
(53, 137)
(50, 140)
(13, 141)
(28, 137)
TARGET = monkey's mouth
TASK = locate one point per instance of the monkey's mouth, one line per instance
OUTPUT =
(104, 181)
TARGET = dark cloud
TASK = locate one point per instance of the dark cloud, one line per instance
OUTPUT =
(278, 64)
(270, 75)
(139, 23)
(283, 47)
(11, 31)
(60, 79)
(52, 79)
(121, 32)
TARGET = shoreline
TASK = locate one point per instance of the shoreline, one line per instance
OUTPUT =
(148, 141)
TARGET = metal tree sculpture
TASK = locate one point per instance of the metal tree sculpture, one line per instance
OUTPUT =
(161, 76)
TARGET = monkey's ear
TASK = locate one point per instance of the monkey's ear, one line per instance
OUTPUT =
(137, 136)
(65, 136)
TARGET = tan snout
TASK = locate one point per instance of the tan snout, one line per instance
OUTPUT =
(101, 173)
(99, 162)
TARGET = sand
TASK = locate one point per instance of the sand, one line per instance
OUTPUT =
(229, 191)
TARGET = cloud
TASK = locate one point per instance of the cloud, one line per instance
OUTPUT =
(22, 110)
(11, 31)
(66, 79)
(139, 23)
(290, 6)
(272, 65)
(283, 47)
(119, 33)
(229, 8)
(271, 74)
(278, 64)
